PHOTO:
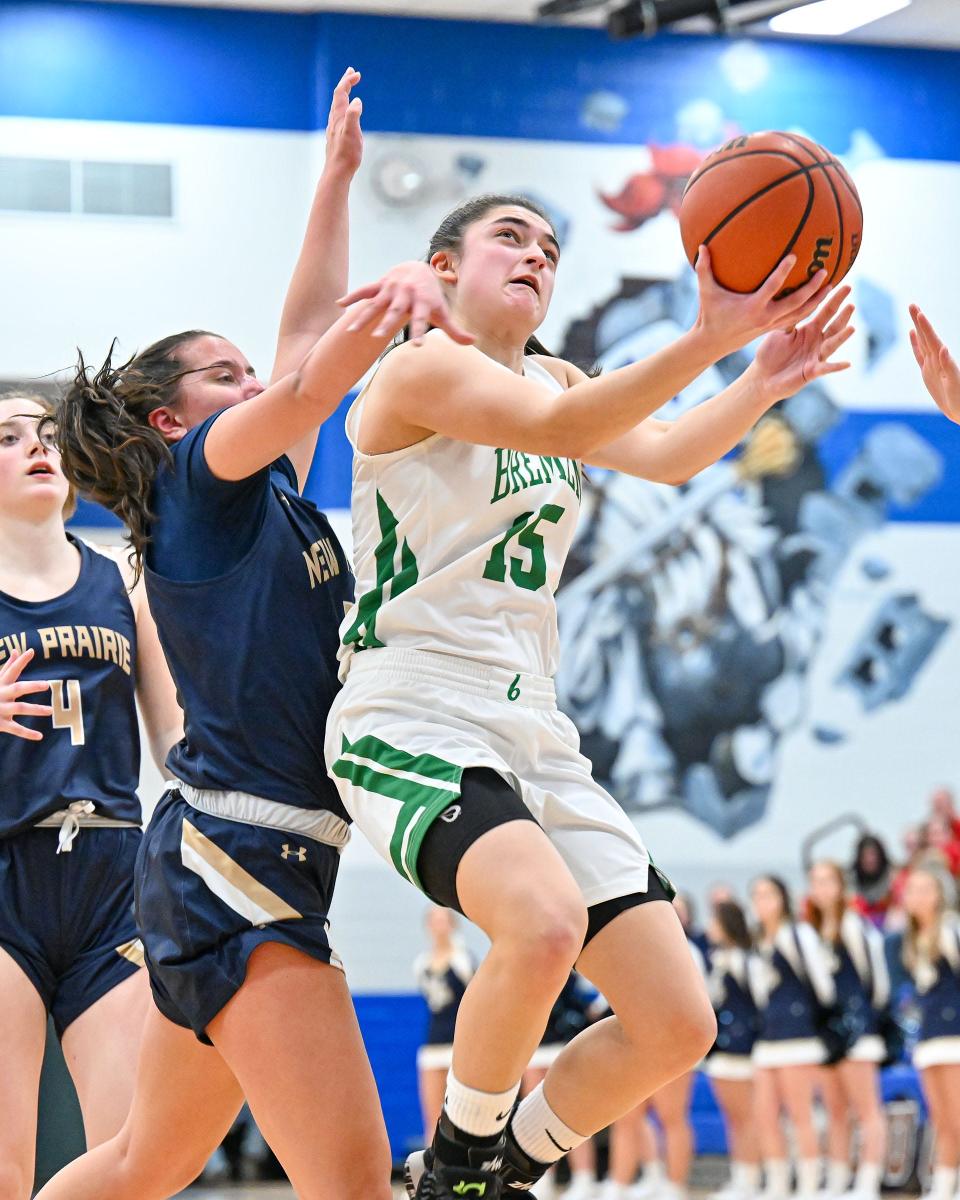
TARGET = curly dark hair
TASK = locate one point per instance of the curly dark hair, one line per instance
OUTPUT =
(109, 450)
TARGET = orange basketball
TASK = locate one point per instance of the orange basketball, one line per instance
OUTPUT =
(763, 196)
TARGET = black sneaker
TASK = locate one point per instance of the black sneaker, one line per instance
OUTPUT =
(519, 1172)
(426, 1179)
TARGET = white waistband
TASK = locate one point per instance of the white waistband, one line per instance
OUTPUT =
(321, 826)
(81, 814)
(461, 674)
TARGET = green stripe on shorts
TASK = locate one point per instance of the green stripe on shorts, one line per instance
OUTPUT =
(422, 803)
(385, 755)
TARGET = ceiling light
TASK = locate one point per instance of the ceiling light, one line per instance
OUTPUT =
(832, 17)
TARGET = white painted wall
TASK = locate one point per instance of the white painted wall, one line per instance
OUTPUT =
(222, 263)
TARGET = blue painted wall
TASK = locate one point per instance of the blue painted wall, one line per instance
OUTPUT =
(196, 66)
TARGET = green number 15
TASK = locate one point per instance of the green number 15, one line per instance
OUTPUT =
(524, 529)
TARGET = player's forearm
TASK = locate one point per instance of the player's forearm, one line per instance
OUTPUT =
(598, 411)
(706, 433)
(321, 274)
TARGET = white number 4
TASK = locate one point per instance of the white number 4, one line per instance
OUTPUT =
(68, 715)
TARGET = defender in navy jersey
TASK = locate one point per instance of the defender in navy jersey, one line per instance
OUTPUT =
(76, 648)
(248, 585)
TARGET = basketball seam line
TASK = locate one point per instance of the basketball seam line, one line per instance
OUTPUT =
(706, 168)
(836, 200)
(841, 169)
(769, 188)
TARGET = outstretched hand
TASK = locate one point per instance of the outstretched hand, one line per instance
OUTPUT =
(789, 359)
(941, 375)
(344, 137)
(11, 705)
(733, 319)
(409, 294)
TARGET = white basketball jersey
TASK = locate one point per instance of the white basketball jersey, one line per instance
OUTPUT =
(458, 548)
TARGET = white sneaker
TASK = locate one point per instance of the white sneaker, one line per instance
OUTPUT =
(730, 1191)
(547, 1187)
(645, 1190)
(582, 1187)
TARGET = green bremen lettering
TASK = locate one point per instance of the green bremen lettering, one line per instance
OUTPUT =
(516, 471)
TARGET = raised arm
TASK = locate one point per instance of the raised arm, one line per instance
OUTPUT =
(941, 375)
(321, 272)
(674, 451)
(249, 436)
(463, 394)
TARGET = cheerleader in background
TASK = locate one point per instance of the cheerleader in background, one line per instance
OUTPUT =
(791, 980)
(851, 1087)
(577, 1006)
(442, 974)
(633, 1138)
(931, 954)
(730, 1065)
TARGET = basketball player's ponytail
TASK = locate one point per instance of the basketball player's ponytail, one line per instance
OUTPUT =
(109, 450)
(449, 236)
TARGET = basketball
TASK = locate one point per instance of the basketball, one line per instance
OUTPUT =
(763, 196)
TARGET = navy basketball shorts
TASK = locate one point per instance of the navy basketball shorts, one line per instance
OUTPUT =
(210, 890)
(67, 919)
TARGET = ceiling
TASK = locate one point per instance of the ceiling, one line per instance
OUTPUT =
(923, 23)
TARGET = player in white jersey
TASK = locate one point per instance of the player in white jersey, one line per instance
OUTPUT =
(446, 742)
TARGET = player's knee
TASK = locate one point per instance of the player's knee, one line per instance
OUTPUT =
(693, 1028)
(135, 1176)
(552, 934)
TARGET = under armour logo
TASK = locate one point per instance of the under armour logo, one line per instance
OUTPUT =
(300, 854)
(464, 1189)
(450, 814)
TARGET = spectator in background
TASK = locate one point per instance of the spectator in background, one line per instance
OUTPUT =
(729, 1066)
(633, 1140)
(871, 877)
(442, 974)
(577, 1006)
(930, 952)
(687, 912)
(850, 1088)
(791, 983)
(942, 805)
(718, 893)
(943, 840)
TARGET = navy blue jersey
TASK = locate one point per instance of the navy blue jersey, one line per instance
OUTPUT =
(737, 1018)
(85, 643)
(443, 989)
(248, 586)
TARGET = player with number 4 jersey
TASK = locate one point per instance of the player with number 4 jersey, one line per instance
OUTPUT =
(77, 649)
(446, 742)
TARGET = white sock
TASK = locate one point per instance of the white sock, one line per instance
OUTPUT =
(808, 1176)
(777, 1177)
(944, 1182)
(584, 1173)
(745, 1177)
(613, 1190)
(482, 1114)
(838, 1177)
(653, 1174)
(869, 1178)
(540, 1132)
